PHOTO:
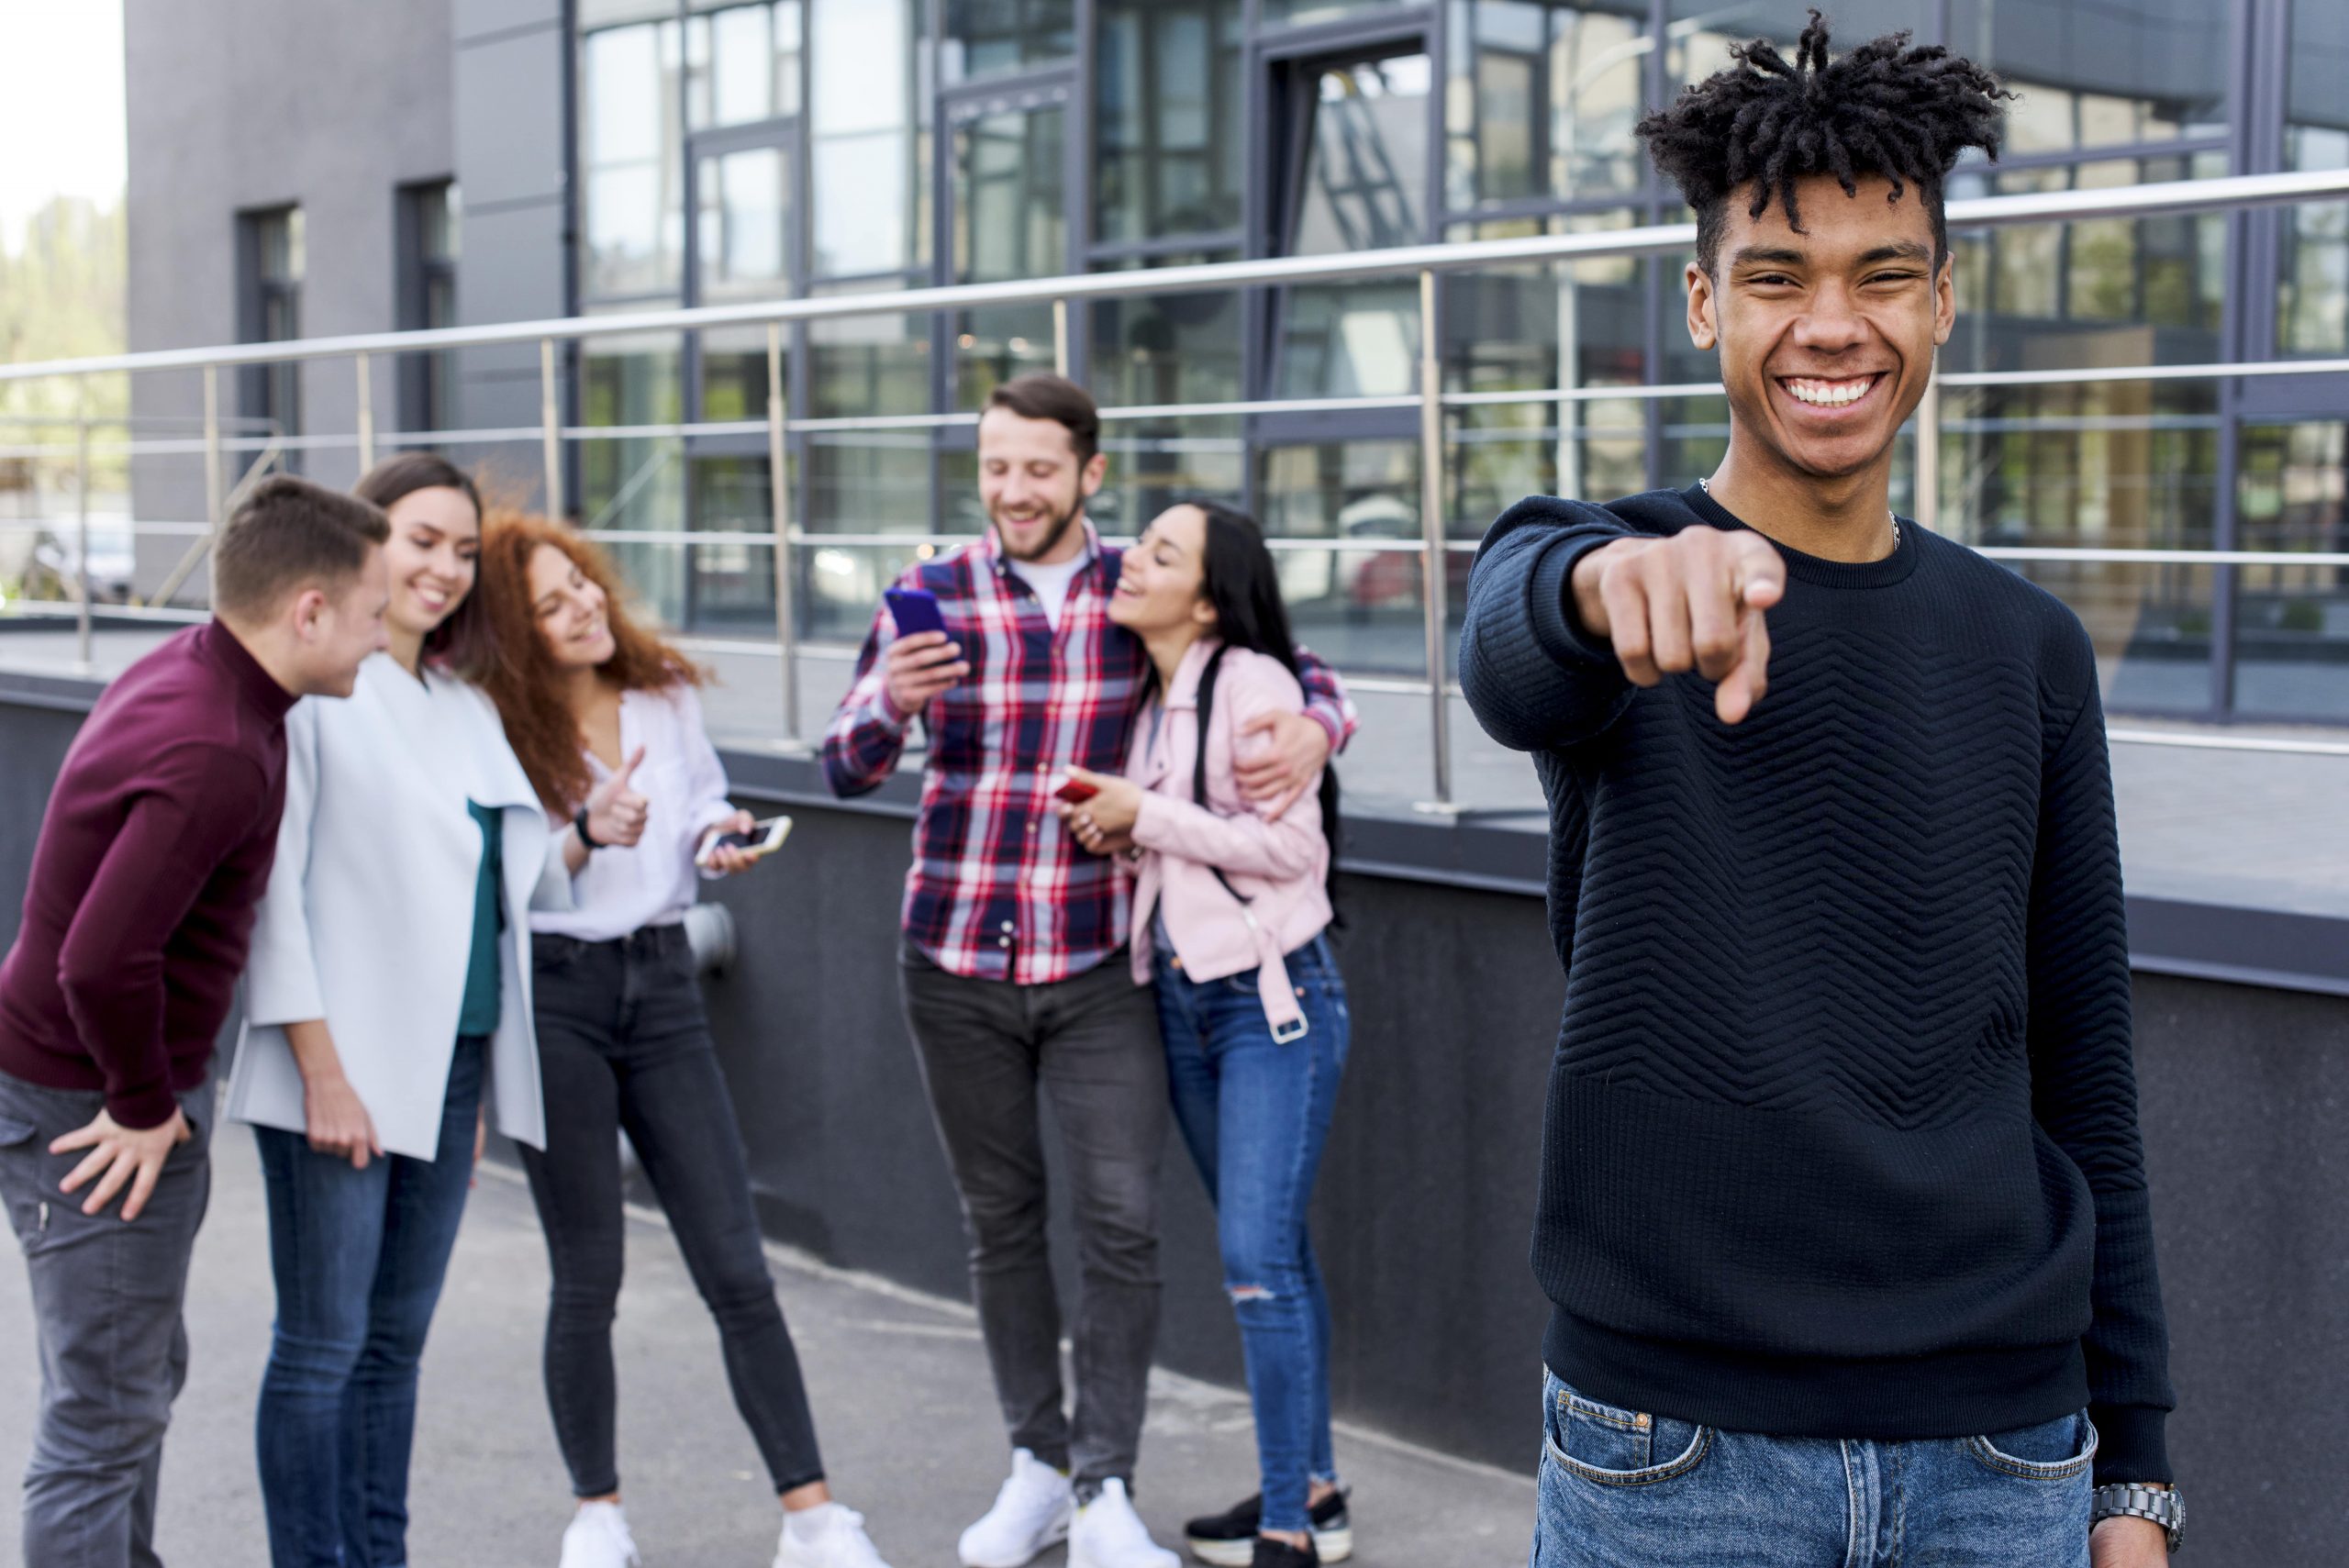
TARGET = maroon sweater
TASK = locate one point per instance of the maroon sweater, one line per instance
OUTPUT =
(155, 849)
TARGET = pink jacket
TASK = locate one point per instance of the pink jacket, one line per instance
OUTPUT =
(1278, 862)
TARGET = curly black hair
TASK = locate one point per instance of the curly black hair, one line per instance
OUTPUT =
(1886, 108)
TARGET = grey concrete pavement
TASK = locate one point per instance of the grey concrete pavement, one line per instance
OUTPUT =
(898, 1380)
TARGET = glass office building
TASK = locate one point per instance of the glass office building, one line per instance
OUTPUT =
(786, 148)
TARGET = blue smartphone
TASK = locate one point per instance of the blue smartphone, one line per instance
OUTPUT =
(914, 610)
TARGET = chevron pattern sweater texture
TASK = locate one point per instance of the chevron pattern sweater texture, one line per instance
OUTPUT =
(1841, 1131)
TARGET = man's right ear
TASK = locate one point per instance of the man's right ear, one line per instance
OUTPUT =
(1704, 330)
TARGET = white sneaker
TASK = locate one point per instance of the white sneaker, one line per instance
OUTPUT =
(598, 1537)
(1031, 1512)
(1110, 1534)
(826, 1536)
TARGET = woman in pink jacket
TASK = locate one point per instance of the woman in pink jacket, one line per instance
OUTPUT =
(1230, 906)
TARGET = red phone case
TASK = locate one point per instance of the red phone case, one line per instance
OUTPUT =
(1076, 791)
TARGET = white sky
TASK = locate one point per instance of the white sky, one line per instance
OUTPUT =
(61, 105)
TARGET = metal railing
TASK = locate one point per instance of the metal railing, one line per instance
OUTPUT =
(1425, 262)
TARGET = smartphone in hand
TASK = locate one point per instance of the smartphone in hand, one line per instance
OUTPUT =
(914, 610)
(1076, 791)
(764, 839)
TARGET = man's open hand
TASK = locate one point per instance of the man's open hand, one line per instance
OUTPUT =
(1693, 601)
(120, 1155)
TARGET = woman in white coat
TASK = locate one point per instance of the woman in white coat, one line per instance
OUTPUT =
(389, 989)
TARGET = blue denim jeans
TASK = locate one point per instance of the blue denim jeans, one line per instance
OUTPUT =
(1624, 1489)
(359, 1257)
(1256, 1114)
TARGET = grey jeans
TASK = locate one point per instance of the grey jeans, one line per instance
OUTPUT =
(107, 1299)
(1090, 1043)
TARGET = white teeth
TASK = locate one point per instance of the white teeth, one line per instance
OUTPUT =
(1829, 393)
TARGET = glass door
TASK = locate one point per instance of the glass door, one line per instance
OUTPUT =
(743, 243)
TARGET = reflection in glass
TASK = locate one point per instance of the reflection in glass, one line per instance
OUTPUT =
(1010, 222)
(987, 38)
(1361, 609)
(2096, 292)
(635, 483)
(1284, 13)
(2106, 75)
(742, 238)
(731, 585)
(839, 584)
(2291, 630)
(869, 139)
(742, 64)
(1167, 115)
(1363, 187)
(1160, 349)
(632, 164)
(2312, 302)
(1535, 329)
(2151, 625)
(2128, 465)
(1542, 98)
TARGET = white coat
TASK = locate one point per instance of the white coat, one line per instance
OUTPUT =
(368, 920)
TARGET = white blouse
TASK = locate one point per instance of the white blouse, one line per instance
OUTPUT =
(654, 881)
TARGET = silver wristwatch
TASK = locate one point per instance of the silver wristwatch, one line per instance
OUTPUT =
(2164, 1507)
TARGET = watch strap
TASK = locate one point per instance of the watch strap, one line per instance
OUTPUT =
(579, 826)
(2130, 1499)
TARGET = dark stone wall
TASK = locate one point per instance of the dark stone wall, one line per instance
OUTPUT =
(1426, 1197)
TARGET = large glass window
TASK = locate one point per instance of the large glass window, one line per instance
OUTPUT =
(744, 63)
(428, 225)
(2292, 622)
(635, 482)
(1010, 222)
(2106, 75)
(1541, 100)
(870, 145)
(273, 259)
(631, 159)
(1164, 348)
(2312, 302)
(1363, 186)
(989, 38)
(1168, 120)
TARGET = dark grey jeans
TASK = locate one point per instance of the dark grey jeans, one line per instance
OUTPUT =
(1091, 1044)
(107, 1299)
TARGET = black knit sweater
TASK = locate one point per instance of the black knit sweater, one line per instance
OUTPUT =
(1842, 1134)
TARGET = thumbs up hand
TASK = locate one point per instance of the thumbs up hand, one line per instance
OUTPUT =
(615, 813)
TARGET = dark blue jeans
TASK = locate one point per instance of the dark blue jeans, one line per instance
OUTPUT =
(1256, 1114)
(1625, 1489)
(359, 1257)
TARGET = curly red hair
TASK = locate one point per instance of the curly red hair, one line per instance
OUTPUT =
(506, 654)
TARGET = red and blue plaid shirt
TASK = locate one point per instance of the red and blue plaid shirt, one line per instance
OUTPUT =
(998, 890)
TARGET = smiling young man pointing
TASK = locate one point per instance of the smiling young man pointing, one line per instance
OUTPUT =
(1844, 1215)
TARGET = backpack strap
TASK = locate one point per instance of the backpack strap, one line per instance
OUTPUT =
(1199, 753)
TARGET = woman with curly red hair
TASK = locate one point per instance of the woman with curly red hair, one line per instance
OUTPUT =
(605, 720)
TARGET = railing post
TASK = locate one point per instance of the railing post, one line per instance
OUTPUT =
(1928, 501)
(551, 427)
(214, 502)
(1060, 336)
(786, 629)
(366, 415)
(81, 629)
(1434, 567)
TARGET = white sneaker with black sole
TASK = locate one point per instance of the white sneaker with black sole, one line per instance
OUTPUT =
(1032, 1513)
(1110, 1534)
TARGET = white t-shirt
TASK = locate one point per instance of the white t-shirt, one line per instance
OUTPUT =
(1051, 583)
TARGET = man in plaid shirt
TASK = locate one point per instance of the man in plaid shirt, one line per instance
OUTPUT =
(1009, 925)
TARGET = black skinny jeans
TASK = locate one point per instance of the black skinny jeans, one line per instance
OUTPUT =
(623, 1042)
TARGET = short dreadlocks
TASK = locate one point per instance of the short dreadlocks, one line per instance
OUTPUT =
(1884, 108)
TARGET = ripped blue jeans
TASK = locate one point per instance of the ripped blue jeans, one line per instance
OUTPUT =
(1256, 1114)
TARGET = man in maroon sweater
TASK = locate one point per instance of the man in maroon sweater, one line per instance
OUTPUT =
(154, 850)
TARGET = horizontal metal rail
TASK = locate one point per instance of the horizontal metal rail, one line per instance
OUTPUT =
(1673, 239)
